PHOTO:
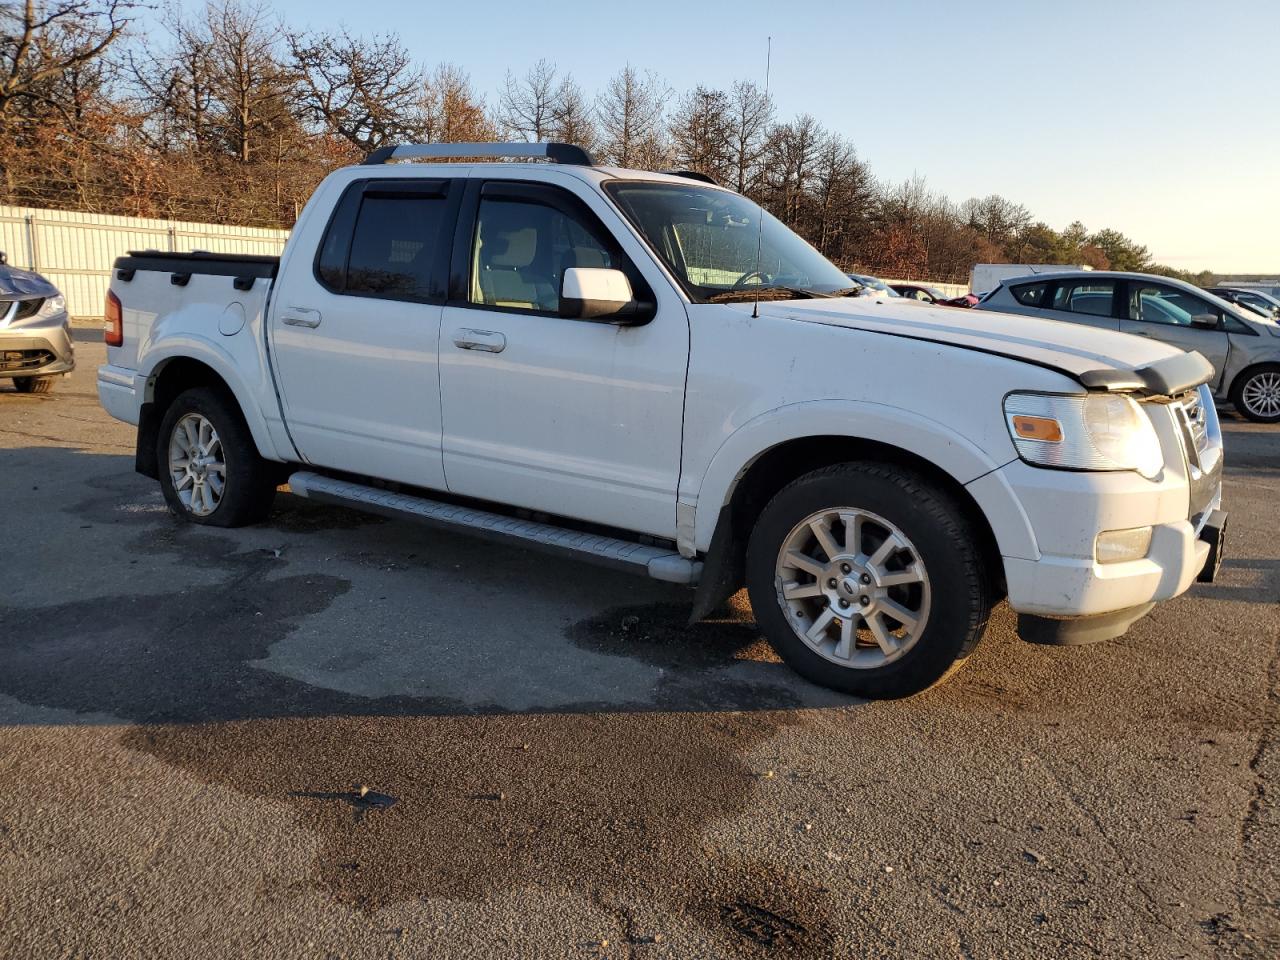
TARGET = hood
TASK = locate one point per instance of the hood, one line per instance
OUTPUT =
(1073, 349)
(19, 284)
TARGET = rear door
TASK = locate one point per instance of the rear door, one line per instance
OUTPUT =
(355, 332)
(572, 417)
(1164, 312)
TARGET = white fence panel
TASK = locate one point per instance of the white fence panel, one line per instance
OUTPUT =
(75, 250)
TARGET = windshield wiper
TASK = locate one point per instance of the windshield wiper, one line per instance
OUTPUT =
(853, 291)
(770, 292)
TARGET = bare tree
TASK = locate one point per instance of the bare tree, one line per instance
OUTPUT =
(1001, 221)
(452, 112)
(251, 86)
(573, 120)
(528, 105)
(175, 86)
(751, 114)
(365, 90)
(790, 161)
(40, 42)
(701, 133)
(630, 117)
(842, 196)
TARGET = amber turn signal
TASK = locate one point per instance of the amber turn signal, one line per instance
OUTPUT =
(1037, 428)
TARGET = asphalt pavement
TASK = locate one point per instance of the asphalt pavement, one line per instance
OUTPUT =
(341, 736)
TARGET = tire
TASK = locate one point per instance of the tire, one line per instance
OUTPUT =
(1256, 393)
(247, 482)
(33, 384)
(950, 597)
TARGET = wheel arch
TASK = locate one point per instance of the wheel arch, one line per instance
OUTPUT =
(728, 501)
(173, 373)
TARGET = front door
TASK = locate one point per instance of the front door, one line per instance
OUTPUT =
(572, 417)
(1164, 312)
(356, 334)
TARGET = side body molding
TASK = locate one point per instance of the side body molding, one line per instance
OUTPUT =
(951, 452)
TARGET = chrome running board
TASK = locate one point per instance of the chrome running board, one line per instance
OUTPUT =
(660, 563)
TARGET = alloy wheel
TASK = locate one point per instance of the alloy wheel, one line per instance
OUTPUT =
(1261, 395)
(197, 465)
(853, 587)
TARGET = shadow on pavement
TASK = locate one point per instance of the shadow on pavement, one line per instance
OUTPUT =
(419, 796)
(197, 653)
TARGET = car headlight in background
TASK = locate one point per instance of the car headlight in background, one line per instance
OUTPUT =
(1095, 431)
(52, 306)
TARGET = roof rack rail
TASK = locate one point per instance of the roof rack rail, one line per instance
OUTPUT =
(693, 175)
(555, 152)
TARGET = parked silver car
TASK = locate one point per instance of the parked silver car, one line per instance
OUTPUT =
(1243, 347)
(35, 332)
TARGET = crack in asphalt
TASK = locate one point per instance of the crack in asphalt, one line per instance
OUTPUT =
(1153, 907)
(1249, 824)
(62, 441)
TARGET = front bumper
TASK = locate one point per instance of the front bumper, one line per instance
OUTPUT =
(37, 348)
(1069, 631)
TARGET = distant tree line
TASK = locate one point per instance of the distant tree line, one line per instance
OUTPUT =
(229, 115)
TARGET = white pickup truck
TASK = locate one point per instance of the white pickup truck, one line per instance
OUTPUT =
(645, 370)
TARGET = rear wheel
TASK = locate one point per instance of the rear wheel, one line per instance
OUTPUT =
(33, 384)
(1256, 393)
(869, 579)
(209, 468)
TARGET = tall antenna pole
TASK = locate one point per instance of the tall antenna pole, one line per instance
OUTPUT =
(755, 309)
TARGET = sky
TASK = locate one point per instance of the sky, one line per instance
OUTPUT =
(1159, 118)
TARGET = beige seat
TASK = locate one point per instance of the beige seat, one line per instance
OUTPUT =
(503, 271)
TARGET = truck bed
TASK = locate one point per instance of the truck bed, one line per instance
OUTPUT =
(216, 294)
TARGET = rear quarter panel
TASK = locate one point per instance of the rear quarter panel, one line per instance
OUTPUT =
(207, 320)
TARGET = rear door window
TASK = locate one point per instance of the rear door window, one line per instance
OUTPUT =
(1093, 297)
(386, 241)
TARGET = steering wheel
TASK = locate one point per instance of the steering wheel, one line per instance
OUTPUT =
(742, 280)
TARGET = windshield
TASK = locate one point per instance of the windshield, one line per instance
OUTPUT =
(1259, 300)
(709, 239)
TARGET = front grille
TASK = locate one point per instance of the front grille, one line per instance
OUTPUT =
(25, 308)
(1197, 421)
(12, 360)
(1202, 442)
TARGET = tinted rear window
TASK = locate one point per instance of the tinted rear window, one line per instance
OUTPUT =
(1029, 294)
(393, 247)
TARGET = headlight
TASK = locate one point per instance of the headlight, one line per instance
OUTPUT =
(1094, 431)
(52, 306)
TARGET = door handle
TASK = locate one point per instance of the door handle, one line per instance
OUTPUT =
(301, 317)
(489, 341)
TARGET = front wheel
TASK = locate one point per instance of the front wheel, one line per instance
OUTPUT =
(1256, 393)
(209, 467)
(868, 578)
